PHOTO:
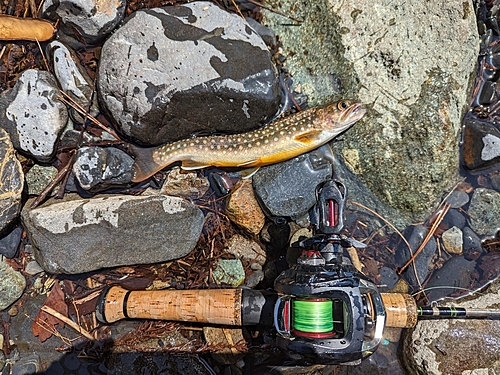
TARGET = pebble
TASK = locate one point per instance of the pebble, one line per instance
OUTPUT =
(38, 177)
(453, 218)
(254, 279)
(229, 271)
(100, 168)
(12, 285)
(220, 78)
(11, 182)
(388, 277)
(457, 199)
(34, 117)
(483, 212)
(243, 209)
(472, 244)
(288, 189)
(33, 268)
(10, 243)
(110, 231)
(185, 184)
(246, 250)
(415, 236)
(90, 20)
(481, 147)
(453, 240)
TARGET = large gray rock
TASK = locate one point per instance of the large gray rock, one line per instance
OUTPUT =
(189, 69)
(11, 181)
(80, 235)
(411, 64)
(33, 115)
(456, 347)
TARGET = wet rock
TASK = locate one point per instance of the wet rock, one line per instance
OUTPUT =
(489, 267)
(73, 79)
(26, 365)
(453, 240)
(185, 184)
(34, 117)
(481, 146)
(99, 168)
(483, 212)
(457, 199)
(356, 50)
(89, 20)
(80, 235)
(12, 285)
(247, 250)
(456, 275)
(229, 271)
(243, 209)
(11, 182)
(10, 243)
(415, 236)
(453, 218)
(219, 79)
(289, 189)
(450, 346)
(38, 177)
(472, 244)
(388, 277)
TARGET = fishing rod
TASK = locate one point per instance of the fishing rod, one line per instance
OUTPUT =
(324, 310)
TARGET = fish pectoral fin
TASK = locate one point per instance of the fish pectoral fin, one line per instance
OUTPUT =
(190, 165)
(309, 137)
(248, 172)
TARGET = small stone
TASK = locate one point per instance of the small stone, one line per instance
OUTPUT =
(35, 117)
(12, 285)
(229, 271)
(185, 184)
(458, 199)
(77, 235)
(100, 168)
(288, 189)
(11, 182)
(483, 212)
(472, 244)
(10, 243)
(256, 267)
(13, 311)
(90, 20)
(254, 279)
(481, 147)
(26, 365)
(243, 209)
(388, 277)
(246, 250)
(453, 240)
(33, 268)
(453, 218)
(38, 177)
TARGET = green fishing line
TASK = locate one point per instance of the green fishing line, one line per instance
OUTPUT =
(312, 316)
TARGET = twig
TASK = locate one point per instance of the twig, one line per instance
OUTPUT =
(43, 56)
(67, 321)
(237, 9)
(274, 10)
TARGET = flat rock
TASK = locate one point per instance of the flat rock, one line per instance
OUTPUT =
(289, 188)
(90, 20)
(80, 235)
(455, 346)
(361, 49)
(11, 181)
(34, 117)
(243, 209)
(483, 212)
(193, 68)
(12, 285)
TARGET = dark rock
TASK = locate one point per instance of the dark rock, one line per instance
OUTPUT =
(456, 273)
(11, 182)
(453, 218)
(80, 235)
(288, 189)
(458, 199)
(99, 168)
(483, 212)
(489, 267)
(10, 243)
(388, 277)
(472, 248)
(266, 33)
(481, 146)
(220, 78)
(34, 117)
(89, 20)
(415, 236)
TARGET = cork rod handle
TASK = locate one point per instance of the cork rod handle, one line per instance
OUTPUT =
(215, 306)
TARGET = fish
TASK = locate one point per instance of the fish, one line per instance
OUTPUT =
(275, 142)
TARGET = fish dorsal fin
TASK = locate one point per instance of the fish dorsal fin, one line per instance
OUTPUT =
(190, 165)
(248, 172)
(309, 137)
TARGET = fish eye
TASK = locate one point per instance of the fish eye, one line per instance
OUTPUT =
(342, 105)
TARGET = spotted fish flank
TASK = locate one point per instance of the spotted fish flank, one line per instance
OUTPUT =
(279, 141)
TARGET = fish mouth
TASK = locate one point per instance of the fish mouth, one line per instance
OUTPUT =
(354, 113)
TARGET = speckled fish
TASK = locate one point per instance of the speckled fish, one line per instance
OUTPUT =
(278, 141)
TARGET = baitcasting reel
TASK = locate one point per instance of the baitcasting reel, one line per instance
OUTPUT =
(327, 312)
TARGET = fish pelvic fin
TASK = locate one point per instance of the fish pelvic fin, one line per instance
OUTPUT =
(190, 165)
(309, 137)
(144, 164)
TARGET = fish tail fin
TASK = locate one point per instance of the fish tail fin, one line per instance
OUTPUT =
(144, 164)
